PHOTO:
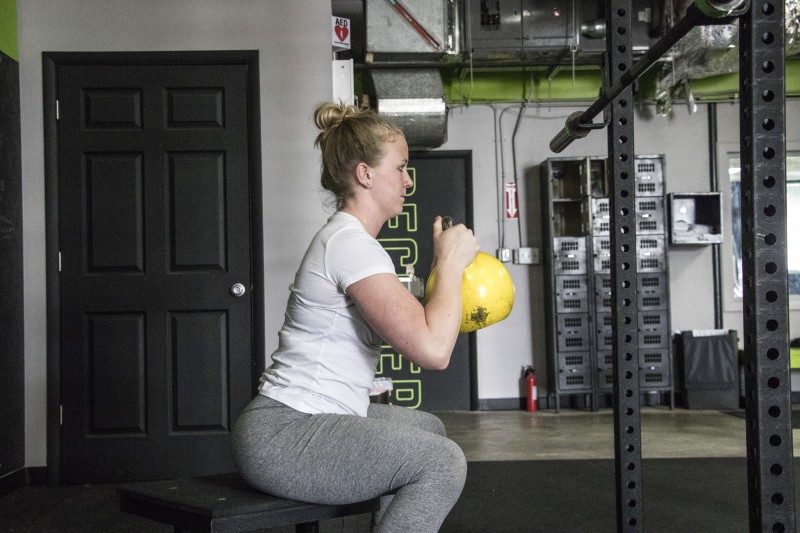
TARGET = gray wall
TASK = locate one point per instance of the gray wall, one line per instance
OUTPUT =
(682, 138)
(294, 44)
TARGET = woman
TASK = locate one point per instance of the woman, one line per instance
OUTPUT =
(312, 434)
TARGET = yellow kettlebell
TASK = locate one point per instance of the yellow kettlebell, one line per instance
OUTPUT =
(487, 291)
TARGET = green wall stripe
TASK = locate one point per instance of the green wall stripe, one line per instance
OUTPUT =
(496, 85)
(491, 85)
(9, 40)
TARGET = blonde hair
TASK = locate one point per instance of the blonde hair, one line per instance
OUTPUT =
(349, 136)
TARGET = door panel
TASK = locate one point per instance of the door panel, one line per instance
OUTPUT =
(115, 217)
(154, 222)
(115, 356)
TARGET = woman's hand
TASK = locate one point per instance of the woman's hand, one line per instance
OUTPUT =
(456, 247)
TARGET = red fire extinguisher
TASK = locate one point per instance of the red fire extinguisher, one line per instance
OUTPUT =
(531, 391)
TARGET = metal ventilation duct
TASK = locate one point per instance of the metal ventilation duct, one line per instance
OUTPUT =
(414, 100)
(713, 50)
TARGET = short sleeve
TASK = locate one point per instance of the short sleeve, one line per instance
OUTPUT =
(351, 256)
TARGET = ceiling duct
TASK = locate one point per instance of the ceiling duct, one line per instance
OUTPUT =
(414, 100)
(713, 50)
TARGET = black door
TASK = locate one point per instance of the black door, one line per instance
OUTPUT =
(155, 250)
(442, 186)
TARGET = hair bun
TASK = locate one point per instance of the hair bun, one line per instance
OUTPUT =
(330, 115)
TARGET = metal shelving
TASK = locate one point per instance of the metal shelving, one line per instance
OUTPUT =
(579, 278)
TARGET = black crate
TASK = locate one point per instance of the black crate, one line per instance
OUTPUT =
(650, 245)
(649, 169)
(602, 255)
(567, 245)
(573, 343)
(602, 293)
(575, 378)
(601, 245)
(649, 177)
(605, 358)
(654, 338)
(651, 263)
(570, 264)
(602, 264)
(649, 188)
(573, 332)
(571, 283)
(572, 302)
(602, 283)
(653, 320)
(601, 217)
(652, 283)
(604, 340)
(604, 322)
(652, 291)
(707, 369)
(650, 253)
(572, 322)
(651, 357)
(603, 302)
(652, 301)
(573, 359)
(650, 216)
(650, 207)
(605, 378)
(655, 377)
(600, 207)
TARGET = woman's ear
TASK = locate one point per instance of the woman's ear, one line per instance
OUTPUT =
(364, 175)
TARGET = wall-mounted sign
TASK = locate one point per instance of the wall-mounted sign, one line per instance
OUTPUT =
(341, 33)
(512, 210)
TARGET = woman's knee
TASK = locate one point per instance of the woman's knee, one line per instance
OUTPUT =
(451, 464)
(434, 424)
(403, 415)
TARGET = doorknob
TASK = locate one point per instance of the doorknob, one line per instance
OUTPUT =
(238, 290)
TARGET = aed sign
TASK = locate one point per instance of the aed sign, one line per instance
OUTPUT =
(341, 33)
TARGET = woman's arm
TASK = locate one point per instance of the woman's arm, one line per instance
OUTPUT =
(425, 335)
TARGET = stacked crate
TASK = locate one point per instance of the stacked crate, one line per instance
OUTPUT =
(655, 355)
(577, 222)
(573, 325)
(567, 189)
(652, 284)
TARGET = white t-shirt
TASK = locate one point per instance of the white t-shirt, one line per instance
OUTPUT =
(327, 353)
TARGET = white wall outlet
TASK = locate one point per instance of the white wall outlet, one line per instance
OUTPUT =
(503, 254)
(523, 256)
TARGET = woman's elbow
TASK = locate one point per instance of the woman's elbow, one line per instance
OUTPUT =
(441, 364)
(429, 352)
(437, 361)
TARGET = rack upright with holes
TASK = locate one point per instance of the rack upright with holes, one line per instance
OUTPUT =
(577, 257)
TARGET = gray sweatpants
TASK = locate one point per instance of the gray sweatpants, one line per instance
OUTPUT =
(335, 459)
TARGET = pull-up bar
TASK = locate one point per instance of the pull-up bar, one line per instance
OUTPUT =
(699, 13)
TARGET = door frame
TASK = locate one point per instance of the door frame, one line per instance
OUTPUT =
(50, 63)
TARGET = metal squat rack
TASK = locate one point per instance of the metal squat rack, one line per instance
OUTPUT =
(766, 336)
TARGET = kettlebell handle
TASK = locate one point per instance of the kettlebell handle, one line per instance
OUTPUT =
(447, 222)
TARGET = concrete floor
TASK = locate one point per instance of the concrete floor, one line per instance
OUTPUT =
(577, 434)
(483, 435)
